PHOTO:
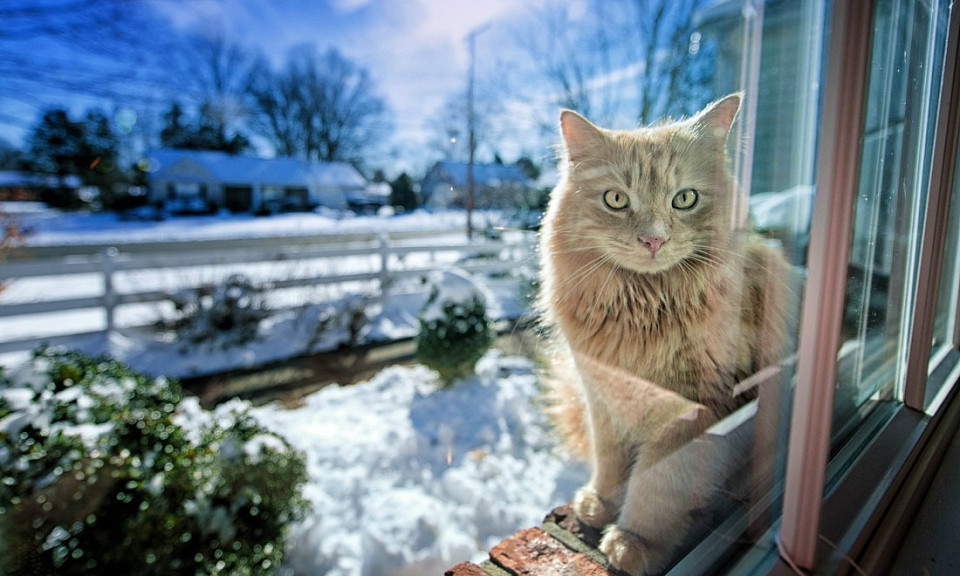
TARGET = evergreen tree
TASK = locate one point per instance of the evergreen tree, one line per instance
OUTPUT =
(174, 131)
(11, 157)
(55, 144)
(102, 153)
(529, 169)
(402, 192)
(64, 147)
(206, 133)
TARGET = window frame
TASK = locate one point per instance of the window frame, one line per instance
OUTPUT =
(941, 183)
(867, 511)
(850, 512)
(842, 124)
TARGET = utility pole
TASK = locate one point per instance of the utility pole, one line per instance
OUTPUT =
(471, 138)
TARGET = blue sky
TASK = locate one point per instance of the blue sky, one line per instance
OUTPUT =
(415, 50)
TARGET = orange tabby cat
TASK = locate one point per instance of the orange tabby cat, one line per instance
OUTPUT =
(658, 310)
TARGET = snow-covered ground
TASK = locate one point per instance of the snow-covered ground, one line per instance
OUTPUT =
(406, 477)
(51, 228)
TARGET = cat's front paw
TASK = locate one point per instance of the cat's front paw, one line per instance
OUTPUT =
(591, 509)
(630, 553)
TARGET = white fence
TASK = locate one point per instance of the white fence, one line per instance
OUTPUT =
(377, 261)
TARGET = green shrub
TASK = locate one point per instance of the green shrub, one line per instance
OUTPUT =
(454, 329)
(106, 470)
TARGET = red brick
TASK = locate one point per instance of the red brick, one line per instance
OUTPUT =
(533, 552)
(564, 517)
(465, 569)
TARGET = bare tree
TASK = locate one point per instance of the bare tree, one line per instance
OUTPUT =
(318, 106)
(211, 110)
(218, 69)
(274, 107)
(449, 126)
(668, 50)
(571, 49)
(98, 50)
(618, 59)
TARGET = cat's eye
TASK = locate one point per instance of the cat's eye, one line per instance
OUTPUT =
(685, 199)
(615, 200)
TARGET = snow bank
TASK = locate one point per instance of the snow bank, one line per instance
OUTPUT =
(407, 478)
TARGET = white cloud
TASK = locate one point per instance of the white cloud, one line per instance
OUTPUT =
(347, 6)
(184, 18)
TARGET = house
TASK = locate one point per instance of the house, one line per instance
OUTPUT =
(202, 181)
(495, 185)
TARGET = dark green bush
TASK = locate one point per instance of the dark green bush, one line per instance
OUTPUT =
(454, 335)
(106, 470)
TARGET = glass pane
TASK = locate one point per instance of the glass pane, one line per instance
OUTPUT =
(697, 393)
(906, 60)
(945, 322)
(775, 167)
(260, 198)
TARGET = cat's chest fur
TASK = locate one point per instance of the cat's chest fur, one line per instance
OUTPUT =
(676, 330)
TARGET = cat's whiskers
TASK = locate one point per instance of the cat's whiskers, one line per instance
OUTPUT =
(594, 242)
(686, 267)
(740, 257)
(613, 270)
(739, 273)
(581, 275)
(577, 249)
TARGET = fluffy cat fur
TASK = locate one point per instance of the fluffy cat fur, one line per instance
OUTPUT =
(656, 310)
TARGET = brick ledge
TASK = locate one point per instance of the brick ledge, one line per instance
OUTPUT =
(561, 545)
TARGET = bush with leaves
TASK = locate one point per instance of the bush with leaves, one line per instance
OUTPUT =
(226, 314)
(454, 329)
(106, 470)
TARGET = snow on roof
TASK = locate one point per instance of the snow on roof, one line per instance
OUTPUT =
(222, 167)
(483, 174)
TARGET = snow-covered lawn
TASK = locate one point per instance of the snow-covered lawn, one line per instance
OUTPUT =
(406, 478)
(52, 228)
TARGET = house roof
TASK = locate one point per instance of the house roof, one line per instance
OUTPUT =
(192, 165)
(483, 174)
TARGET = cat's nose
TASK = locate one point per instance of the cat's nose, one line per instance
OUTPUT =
(653, 243)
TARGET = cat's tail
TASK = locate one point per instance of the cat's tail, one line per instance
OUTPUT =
(566, 406)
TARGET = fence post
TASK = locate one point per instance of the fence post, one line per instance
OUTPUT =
(107, 258)
(383, 246)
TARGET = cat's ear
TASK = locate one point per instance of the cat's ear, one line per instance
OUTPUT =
(714, 121)
(580, 137)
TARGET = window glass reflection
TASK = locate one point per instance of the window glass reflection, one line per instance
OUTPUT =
(906, 61)
(945, 321)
